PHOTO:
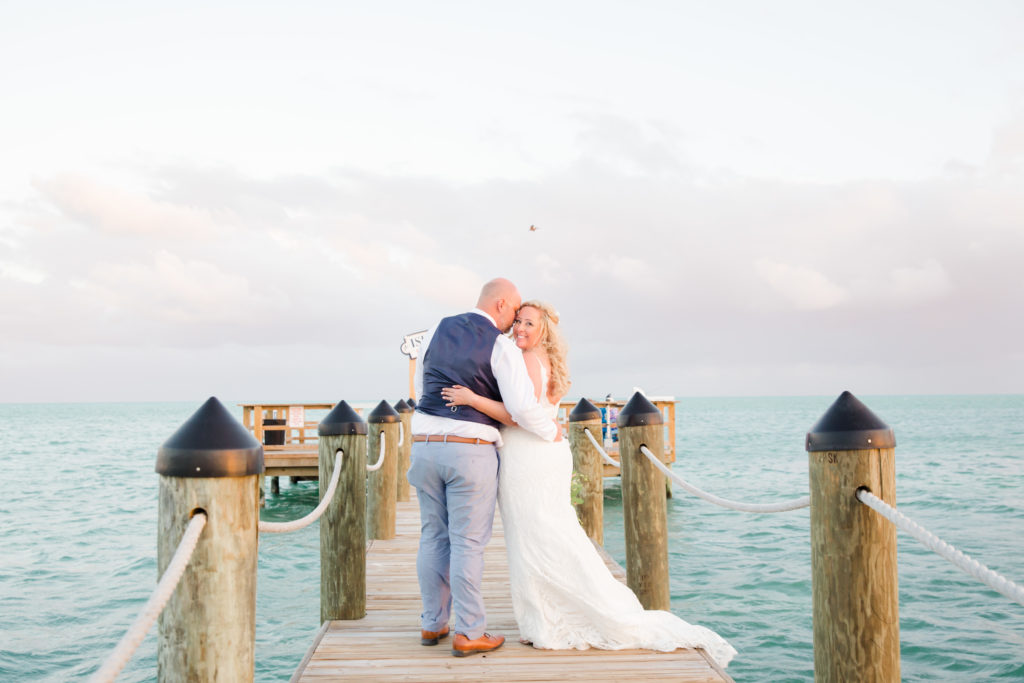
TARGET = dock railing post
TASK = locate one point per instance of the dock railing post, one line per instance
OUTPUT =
(383, 423)
(211, 464)
(587, 461)
(853, 549)
(343, 524)
(404, 411)
(643, 503)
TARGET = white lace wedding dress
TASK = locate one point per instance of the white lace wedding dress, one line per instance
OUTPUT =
(563, 595)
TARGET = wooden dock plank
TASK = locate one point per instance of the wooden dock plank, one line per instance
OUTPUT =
(385, 645)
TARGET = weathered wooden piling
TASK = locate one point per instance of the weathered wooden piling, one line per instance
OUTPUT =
(643, 502)
(853, 549)
(383, 423)
(207, 630)
(404, 411)
(587, 461)
(343, 524)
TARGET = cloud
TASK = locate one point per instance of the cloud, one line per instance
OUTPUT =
(1007, 151)
(646, 148)
(549, 267)
(620, 271)
(120, 212)
(664, 280)
(805, 288)
(910, 285)
(177, 292)
(21, 273)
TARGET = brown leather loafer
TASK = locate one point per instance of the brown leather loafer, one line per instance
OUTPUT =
(431, 637)
(463, 646)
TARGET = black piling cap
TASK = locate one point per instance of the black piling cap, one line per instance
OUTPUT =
(403, 407)
(211, 443)
(584, 410)
(342, 420)
(848, 425)
(639, 412)
(382, 413)
(412, 403)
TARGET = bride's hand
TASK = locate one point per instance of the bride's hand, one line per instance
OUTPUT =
(458, 395)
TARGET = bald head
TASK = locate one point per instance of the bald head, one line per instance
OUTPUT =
(500, 299)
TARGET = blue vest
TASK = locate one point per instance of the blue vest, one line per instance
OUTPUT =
(460, 353)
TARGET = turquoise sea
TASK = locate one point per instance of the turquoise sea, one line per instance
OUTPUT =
(78, 536)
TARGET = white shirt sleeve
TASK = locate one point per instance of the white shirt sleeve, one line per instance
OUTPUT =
(516, 389)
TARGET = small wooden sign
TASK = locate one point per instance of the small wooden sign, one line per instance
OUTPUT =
(411, 347)
(411, 344)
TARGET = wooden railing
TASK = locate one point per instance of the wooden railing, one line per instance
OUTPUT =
(293, 453)
(300, 434)
(856, 635)
(266, 419)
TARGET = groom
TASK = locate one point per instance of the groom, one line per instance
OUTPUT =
(455, 459)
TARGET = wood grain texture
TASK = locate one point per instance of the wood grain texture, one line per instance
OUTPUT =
(207, 629)
(587, 461)
(385, 645)
(853, 568)
(404, 457)
(381, 483)
(644, 516)
(343, 530)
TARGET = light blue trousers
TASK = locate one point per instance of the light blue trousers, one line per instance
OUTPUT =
(456, 485)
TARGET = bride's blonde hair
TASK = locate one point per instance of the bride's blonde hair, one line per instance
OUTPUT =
(551, 340)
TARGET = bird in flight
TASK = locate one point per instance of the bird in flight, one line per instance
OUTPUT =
(533, 228)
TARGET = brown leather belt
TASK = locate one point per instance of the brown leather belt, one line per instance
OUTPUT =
(444, 438)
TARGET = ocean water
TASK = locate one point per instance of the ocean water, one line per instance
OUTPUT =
(78, 536)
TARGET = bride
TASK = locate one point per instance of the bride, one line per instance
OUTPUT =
(563, 595)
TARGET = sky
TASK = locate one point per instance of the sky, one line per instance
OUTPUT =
(258, 200)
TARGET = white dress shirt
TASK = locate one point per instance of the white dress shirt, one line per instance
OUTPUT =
(516, 389)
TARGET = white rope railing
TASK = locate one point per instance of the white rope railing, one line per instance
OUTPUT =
(295, 525)
(380, 460)
(600, 450)
(784, 506)
(151, 610)
(963, 562)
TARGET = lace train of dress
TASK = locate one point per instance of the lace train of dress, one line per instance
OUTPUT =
(563, 595)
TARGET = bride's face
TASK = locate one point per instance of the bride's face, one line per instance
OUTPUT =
(528, 329)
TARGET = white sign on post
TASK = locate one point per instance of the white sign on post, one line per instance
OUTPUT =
(411, 344)
(296, 417)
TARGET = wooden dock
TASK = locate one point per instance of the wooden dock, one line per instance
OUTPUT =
(385, 645)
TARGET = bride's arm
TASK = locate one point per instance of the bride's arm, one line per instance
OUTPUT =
(459, 395)
(534, 370)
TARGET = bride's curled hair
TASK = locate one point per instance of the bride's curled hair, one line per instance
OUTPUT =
(558, 384)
